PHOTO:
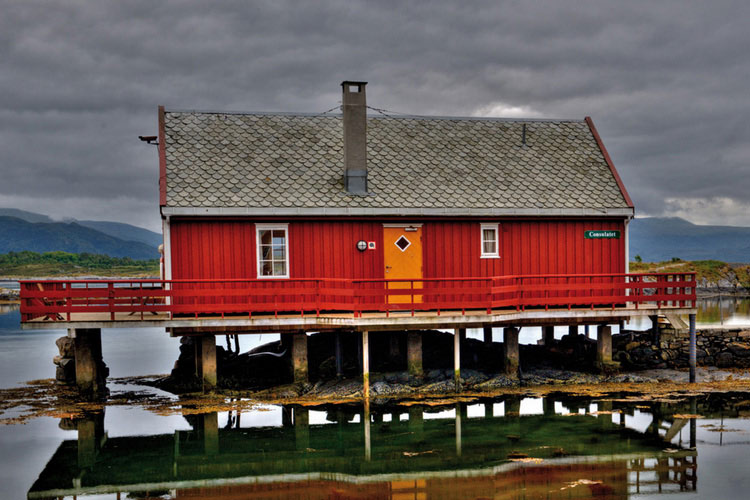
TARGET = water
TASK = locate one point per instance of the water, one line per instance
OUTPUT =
(452, 450)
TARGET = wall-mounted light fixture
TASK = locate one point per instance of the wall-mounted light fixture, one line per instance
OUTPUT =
(361, 245)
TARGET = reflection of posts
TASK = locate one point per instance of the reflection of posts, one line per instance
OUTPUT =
(210, 433)
(459, 418)
(366, 424)
(416, 423)
(91, 437)
(301, 428)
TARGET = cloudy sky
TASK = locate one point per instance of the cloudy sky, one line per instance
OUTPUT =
(666, 82)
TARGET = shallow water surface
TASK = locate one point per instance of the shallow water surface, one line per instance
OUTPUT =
(513, 447)
(507, 447)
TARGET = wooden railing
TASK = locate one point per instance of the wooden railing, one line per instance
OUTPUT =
(59, 300)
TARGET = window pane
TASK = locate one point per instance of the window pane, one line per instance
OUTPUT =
(265, 252)
(279, 253)
(265, 237)
(279, 236)
(279, 268)
(489, 235)
(266, 269)
(488, 247)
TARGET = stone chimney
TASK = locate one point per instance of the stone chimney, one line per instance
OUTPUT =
(354, 106)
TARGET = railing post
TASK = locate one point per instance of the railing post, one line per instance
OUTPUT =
(111, 300)
(68, 300)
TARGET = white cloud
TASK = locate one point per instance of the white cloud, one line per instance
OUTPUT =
(713, 211)
(504, 110)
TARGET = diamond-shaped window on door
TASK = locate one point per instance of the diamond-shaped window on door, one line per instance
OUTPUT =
(402, 243)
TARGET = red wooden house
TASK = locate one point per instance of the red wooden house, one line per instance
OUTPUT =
(279, 222)
(294, 196)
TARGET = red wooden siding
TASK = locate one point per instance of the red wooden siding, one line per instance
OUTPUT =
(526, 247)
(215, 249)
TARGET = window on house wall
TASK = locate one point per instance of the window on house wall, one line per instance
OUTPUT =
(490, 241)
(273, 250)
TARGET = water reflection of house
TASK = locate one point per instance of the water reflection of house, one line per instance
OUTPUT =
(360, 454)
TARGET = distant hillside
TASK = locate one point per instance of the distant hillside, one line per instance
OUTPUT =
(17, 235)
(658, 239)
(124, 231)
(23, 214)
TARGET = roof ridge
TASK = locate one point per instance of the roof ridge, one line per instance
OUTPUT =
(378, 116)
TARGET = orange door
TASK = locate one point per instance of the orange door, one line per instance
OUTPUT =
(403, 260)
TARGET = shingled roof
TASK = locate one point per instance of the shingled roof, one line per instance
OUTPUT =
(253, 163)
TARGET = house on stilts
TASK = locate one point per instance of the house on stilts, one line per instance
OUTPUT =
(297, 223)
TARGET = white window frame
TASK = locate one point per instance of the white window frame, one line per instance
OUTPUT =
(258, 253)
(496, 253)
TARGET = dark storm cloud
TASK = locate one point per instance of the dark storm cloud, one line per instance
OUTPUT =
(666, 83)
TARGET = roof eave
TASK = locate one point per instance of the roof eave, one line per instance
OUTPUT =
(396, 212)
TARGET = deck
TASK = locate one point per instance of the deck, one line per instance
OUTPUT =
(255, 306)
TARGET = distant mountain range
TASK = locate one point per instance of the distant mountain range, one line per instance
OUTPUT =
(21, 230)
(653, 238)
(657, 239)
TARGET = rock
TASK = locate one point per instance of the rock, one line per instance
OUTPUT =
(724, 360)
(744, 334)
(632, 345)
(66, 347)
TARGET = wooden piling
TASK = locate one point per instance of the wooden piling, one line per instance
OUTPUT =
(510, 351)
(414, 354)
(90, 380)
(457, 358)
(299, 357)
(366, 364)
(693, 351)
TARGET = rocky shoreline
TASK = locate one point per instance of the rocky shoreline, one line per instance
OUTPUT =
(265, 372)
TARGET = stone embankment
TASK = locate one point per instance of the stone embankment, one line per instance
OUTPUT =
(722, 348)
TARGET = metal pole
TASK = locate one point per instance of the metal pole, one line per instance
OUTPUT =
(692, 349)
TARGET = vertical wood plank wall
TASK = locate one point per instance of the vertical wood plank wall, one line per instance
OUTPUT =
(222, 249)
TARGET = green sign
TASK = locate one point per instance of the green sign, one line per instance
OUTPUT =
(596, 235)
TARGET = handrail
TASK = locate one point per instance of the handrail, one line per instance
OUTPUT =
(62, 300)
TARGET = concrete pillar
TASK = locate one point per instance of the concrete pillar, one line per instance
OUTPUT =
(510, 351)
(205, 361)
(299, 357)
(457, 358)
(603, 345)
(693, 353)
(414, 354)
(487, 334)
(339, 357)
(548, 334)
(90, 376)
(366, 365)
